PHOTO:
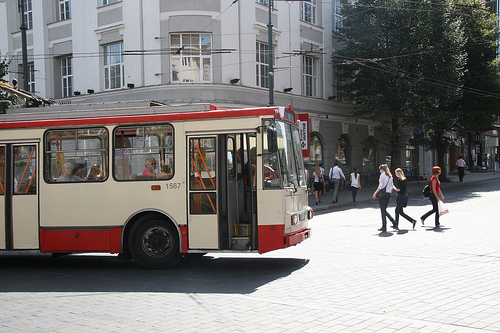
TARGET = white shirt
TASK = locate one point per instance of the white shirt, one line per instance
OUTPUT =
(355, 180)
(336, 173)
(461, 163)
(385, 181)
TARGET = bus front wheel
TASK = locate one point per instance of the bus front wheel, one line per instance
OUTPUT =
(154, 243)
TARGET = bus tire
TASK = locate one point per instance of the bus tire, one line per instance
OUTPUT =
(154, 243)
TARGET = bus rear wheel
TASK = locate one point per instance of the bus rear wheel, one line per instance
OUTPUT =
(154, 243)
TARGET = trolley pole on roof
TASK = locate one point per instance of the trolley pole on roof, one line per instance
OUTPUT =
(23, 29)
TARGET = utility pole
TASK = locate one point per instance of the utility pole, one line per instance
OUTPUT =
(24, 44)
(270, 74)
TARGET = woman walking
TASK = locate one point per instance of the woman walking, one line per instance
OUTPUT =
(319, 180)
(435, 191)
(385, 184)
(400, 187)
(355, 184)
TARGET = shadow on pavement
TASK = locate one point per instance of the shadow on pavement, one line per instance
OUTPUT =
(105, 273)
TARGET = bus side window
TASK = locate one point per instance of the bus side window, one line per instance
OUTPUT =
(24, 169)
(143, 152)
(84, 151)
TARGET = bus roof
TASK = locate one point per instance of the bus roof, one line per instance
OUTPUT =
(130, 112)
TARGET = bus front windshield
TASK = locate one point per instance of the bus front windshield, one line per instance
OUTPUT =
(284, 168)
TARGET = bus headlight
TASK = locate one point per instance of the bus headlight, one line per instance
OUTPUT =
(310, 214)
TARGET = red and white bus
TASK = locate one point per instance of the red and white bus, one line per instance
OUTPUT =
(151, 182)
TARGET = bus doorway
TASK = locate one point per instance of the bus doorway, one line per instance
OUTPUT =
(238, 169)
(19, 196)
(222, 192)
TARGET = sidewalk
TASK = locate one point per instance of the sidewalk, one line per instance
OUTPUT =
(365, 194)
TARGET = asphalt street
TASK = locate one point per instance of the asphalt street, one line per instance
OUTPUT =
(347, 277)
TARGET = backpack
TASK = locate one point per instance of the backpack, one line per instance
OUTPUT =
(427, 190)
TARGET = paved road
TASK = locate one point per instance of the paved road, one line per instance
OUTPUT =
(346, 278)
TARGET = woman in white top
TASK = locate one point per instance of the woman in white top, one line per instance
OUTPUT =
(385, 184)
(319, 180)
(355, 184)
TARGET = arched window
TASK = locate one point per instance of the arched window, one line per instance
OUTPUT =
(369, 153)
(343, 154)
(315, 151)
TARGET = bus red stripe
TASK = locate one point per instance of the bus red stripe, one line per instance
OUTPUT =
(195, 115)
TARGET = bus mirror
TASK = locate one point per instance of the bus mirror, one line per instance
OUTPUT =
(272, 139)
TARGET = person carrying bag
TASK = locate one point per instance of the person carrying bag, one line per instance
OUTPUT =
(385, 186)
(434, 196)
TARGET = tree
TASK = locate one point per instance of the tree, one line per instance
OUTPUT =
(479, 105)
(401, 63)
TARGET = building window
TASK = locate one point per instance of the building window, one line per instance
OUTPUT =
(338, 19)
(308, 11)
(67, 76)
(191, 57)
(28, 14)
(109, 2)
(64, 9)
(114, 77)
(31, 78)
(262, 65)
(315, 152)
(310, 76)
(343, 153)
(369, 153)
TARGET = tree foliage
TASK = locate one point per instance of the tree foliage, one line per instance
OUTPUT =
(412, 63)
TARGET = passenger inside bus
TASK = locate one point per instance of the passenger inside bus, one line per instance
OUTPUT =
(94, 172)
(149, 172)
(66, 175)
(78, 171)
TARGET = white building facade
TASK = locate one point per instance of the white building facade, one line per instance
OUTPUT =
(189, 51)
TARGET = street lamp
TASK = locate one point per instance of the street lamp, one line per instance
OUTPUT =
(24, 44)
(270, 74)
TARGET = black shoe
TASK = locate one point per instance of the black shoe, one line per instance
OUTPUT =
(316, 202)
(422, 220)
(382, 229)
(414, 222)
(394, 227)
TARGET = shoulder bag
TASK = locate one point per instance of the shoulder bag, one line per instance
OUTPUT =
(380, 194)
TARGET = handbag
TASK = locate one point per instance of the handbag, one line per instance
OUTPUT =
(406, 203)
(442, 208)
(380, 194)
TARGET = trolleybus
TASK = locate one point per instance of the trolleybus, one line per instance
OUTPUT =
(151, 182)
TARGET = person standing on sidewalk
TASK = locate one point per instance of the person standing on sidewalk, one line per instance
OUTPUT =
(319, 180)
(334, 175)
(435, 191)
(385, 184)
(400, 183)
(355, 184)
(461, 168)
(322, 172)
